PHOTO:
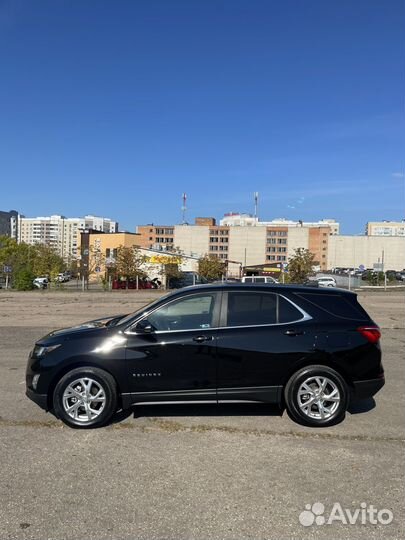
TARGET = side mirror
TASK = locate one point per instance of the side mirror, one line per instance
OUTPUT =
(144, 327)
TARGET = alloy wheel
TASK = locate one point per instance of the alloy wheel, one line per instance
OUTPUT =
(84, 400)
(318, 397)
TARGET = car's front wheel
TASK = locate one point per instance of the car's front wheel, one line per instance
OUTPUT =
(85, 397)
(317, 396)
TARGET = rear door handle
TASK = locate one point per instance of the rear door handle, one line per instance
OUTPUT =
(200, 339)
(293, 332)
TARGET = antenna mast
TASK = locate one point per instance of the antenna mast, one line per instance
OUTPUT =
(184, 208)
(256, 197)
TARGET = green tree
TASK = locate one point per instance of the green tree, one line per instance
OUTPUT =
(128, 263)
(46, 261)
(19, 256)
(300, 266)
(211, 267)
(23, 279)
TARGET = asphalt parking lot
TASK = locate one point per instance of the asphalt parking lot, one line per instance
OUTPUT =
(200, 472)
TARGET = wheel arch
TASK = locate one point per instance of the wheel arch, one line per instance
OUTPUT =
(80, 363)
(323, 360)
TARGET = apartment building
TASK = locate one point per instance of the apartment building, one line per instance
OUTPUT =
(385, 228)
(246, 245)
(233, 219)
(9, 223)
(60, 232)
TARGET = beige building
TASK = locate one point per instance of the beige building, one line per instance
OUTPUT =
(385, 228)
(59, 232)
(245, 245)
(353, 251)
(247, 220)
(99, 250)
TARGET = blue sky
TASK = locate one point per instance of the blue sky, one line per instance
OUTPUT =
(116, 107)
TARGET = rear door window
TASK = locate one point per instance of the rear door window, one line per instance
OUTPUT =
(337, 304)
(256, 308)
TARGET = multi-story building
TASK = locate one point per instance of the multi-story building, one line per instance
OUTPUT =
(60, 232)
(245, 244)
(156, 237)
(98, 224)
(367, 251)
(385, 228)
(9, 223)
(247, 220)
(98, 252)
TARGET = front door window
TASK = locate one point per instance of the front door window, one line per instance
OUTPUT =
(192, 313)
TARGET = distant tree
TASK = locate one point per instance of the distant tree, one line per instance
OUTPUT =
(18, 256)
(128, 263)
(172, 272)
(300, 266)
(211, 267)
(46, 261)
(23, 279)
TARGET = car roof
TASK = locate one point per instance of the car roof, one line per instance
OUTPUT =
(260, 287)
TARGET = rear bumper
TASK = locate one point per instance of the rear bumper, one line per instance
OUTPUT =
(368, 388)
(39, 399)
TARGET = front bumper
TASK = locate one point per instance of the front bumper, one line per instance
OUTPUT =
(39, 399)
(368, 388)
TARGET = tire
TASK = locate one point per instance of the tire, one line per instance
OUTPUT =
(85, 398)
(305, 395)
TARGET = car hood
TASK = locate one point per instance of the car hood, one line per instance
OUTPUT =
(87, 327)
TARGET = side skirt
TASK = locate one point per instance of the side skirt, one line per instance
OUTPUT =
(253, 394)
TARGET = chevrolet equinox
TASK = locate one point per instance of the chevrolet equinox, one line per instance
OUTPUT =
(307, 349)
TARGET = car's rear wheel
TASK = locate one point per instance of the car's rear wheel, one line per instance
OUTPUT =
(317, 396)
(85, 398)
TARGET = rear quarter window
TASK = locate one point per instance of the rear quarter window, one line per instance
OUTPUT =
(337, 304)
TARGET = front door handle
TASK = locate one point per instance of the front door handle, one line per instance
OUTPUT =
(200, 339)
(293, 332)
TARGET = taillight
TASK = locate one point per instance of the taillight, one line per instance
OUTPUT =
(371, 333)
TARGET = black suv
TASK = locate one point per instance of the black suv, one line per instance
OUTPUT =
(304, 348)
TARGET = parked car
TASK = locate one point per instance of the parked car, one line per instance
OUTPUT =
(326, 281)
(62, 277)
(259, 279)
(308, 348)
(400, 276)
(41, 282)
(186, 279)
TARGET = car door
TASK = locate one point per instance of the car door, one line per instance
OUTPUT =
(171, 353)
(261, 336)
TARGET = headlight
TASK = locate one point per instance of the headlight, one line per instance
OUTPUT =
(40, 350)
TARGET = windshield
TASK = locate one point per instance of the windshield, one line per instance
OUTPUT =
(128, 318)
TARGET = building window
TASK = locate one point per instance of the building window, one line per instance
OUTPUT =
(271, 240)
(271, 257)
(282, 241)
